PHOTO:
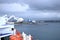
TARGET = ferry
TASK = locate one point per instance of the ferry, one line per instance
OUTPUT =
(8, 32)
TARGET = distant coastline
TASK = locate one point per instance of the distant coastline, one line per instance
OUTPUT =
(52, 21)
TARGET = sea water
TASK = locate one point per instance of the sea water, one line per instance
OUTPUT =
(42, 31)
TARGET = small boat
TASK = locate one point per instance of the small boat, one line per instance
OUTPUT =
(8, 32)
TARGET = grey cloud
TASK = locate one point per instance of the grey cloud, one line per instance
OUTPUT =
(38, 4)
(45, 4)
(11, 1)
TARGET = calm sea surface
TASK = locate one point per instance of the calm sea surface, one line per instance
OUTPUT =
(42, 31)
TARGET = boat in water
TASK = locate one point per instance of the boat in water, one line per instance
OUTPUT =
(8, 32)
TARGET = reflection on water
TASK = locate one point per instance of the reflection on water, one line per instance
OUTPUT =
(43, 31)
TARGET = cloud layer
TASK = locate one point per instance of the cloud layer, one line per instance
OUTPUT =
(38, 4)
(14, 7)
(44, 4)
(35, 8)
(43, 14)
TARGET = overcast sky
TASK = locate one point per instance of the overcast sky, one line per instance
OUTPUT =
(39, 8)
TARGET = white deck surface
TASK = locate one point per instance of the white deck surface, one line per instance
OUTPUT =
(6, 29)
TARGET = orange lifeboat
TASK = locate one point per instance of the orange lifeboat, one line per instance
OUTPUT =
(18, 36)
